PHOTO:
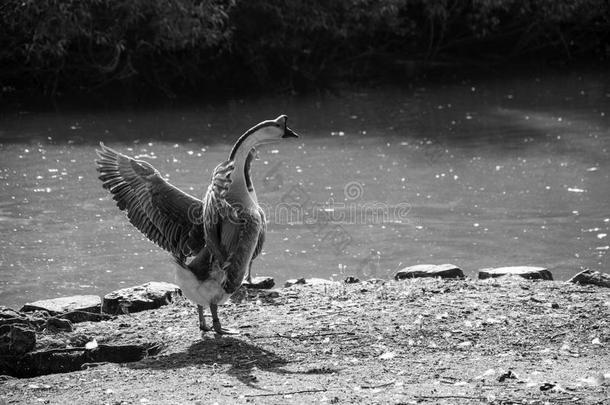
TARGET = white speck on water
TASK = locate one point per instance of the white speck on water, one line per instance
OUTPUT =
(593, 169)
(602, 248)
(576, 190)
(601, 235)
(190, 152)
(476, 225)
(575, 212)
(274, 151)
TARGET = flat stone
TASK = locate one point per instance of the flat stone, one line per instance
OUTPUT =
(430, 270)
(528, 272)
(80, 316)
(11, 317)
(308, 281)
(86, 303)
(59, 325)
(51, 361)
(591, 277)
(140, 298)
(260, 283)
(16, 340)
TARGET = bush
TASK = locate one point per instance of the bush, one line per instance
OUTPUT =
(90, 43)
(173, 45)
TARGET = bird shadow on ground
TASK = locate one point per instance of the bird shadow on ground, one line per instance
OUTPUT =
(241, 357)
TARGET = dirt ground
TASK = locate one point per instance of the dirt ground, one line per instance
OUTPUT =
(418, 341)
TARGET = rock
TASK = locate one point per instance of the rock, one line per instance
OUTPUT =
(528, 272)
(16, 340)
(430, 270)
(140, 298)
(308, 281)
(59, 325)
(72, 359)
(80, 316)
(351, 280)
(86, 303)
(260, 283)
(6, 312)
(509, 375)
(591, 277)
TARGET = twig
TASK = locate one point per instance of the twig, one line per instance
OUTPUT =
(378, 386)
(556, 335)
(302, 336)
(284, 393)
(448, 396)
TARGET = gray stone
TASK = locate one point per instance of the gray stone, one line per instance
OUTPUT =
(308, 281)
(16, 340)
(260, 283)
(59, 325)
(86, 303)
(51, 361)
(591, 277)
(80, 316)
(528, 272)
(140, 298)
(351, 280)
(430, 270)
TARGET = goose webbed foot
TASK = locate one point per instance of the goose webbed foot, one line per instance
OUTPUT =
(223, 331)
(216, 323)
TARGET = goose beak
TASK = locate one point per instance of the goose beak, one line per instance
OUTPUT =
(289, 133)
(282, 121)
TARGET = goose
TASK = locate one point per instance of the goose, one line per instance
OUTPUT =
(213, 241)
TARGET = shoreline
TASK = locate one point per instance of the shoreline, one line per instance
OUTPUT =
(420, 340)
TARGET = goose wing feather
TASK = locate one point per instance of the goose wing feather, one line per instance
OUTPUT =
(165, 214)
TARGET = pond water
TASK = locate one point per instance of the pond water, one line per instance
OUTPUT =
(478, 173)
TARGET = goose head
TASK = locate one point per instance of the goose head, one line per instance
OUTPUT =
(244, 151)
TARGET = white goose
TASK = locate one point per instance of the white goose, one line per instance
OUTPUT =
(222, 234)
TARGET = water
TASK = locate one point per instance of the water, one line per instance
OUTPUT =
(479, 173)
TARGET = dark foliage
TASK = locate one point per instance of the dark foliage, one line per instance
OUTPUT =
(178, 45)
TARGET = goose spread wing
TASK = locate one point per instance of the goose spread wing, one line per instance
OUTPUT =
(165, 214)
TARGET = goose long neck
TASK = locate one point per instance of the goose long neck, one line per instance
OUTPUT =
(242, 189)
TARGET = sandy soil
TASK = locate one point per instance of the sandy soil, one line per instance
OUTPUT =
(419, 341)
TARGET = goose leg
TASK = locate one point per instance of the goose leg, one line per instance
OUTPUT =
(249, 276)
(202, 326)
(216, 323)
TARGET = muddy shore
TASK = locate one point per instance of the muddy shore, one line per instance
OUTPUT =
(497, 341)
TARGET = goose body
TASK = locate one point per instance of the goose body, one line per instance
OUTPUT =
(213, 241)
